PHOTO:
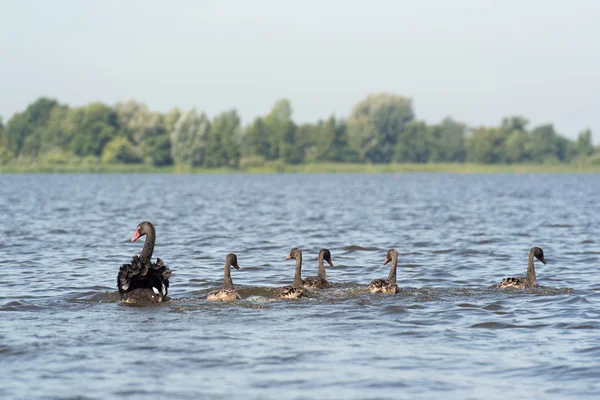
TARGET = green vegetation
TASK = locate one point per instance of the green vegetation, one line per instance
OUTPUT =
(381, 134)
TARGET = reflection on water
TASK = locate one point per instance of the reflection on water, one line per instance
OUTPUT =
(447, 334)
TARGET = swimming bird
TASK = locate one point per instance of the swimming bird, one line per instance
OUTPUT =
(528, 281)
(142, 280)
(320, 281)
(227, 292)
(296, 290)
(387, 285)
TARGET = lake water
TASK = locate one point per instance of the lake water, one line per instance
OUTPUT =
(64, 334)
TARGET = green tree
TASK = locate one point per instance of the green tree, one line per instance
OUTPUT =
(309, 145)
(281, 132)
(486, 145)
(255, 141)
(446, 141)
(28, 124)
(327, 141)
(188, 138)
(171, 118)
(138, 123)
(375, 124)
(120, 150)
(5, 155)
(223, 141)
(159, 151)
(57, 133)
(412, 143)
(584, 146)
(514, 123)
(95, 126)
(544, 144)
(518, 147)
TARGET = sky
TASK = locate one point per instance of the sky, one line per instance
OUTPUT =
(474, 60)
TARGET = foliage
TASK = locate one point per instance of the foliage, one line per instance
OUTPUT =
(223, 141)
(375, 125)
(120, 150)
(159, 151)
(188, 138)
(94, 126)
(379, 130)
(5, 154)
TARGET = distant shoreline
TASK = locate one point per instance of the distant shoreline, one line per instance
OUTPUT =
(309, 168)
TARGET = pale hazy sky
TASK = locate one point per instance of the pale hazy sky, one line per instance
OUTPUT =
(475, 60)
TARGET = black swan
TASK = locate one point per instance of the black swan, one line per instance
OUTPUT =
(142, 280)
(296, 290)
(227, 293)
(528, 281)
(387, 285)
(320, 281)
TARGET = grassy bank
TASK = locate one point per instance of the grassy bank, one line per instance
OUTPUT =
(310, 168)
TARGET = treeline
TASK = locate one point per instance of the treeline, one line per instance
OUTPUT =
(382, 128)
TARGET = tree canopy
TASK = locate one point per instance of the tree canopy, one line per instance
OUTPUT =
(381, 128)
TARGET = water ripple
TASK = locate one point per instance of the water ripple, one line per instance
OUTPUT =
(449, 333)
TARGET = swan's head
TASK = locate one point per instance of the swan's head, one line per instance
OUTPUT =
(142, 229)
(326, 256)
(538, 253)
(295, 253)
(231, 259)
(391, 255)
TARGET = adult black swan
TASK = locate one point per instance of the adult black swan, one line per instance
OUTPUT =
(143, 280)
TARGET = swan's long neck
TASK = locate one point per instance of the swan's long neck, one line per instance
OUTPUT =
(227, 282)
(392, 277)
(148, 249)
(321, 273)
(530, 278)
(298, 278)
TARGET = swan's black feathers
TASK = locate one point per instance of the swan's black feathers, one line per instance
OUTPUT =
(141, 275)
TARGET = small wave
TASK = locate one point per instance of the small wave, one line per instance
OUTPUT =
(58, 231)
(594, 350)
(262, 248)
(395, 309)
(539, 291)
(442, 251)
(488, 241)
(19, 306)
(352, 248)
(501, 325)
(492, 307)
(95, 297)
(564, 325)
(467, 305)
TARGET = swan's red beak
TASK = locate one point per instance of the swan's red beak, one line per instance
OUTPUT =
(236, 266)
(136, 236)
(387, 260)
(543, 260)
(329, 262)
(288, 256)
